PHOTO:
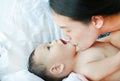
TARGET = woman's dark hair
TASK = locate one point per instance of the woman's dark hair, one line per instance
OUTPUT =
(83, 10)
(41, 70)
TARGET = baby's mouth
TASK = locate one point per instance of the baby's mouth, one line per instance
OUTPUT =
(63, 41)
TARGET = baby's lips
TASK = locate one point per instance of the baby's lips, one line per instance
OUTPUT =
(63, 41)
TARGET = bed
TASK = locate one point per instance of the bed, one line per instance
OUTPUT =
(23, 25)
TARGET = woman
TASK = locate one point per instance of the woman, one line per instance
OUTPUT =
(82, 21)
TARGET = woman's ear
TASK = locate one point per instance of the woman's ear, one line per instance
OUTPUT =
(97, 21)
(57, 69)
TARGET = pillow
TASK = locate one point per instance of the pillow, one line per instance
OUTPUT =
(21, 75)
(23, 25)
(72, 77)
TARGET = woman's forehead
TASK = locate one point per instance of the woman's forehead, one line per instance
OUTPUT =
(61, 20)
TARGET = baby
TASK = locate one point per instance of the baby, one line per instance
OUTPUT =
(54, 61)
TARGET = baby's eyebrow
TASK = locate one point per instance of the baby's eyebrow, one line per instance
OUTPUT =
(45, 46)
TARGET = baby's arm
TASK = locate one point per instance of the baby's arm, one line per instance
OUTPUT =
(97, 70)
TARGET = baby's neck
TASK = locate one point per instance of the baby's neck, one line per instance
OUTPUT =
(78, 62)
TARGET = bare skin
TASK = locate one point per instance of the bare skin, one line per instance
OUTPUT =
(114, 40)
(95, 63)
(74, 30)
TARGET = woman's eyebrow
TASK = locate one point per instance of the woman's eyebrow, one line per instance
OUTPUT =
(63, 27)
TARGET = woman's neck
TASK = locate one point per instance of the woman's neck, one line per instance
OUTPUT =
(111, 23)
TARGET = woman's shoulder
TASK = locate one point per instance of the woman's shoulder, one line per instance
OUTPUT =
(93, 53)
(115, 39)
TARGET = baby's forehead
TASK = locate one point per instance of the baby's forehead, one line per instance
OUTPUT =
(38, 56)
(40, 51)
(39, 48)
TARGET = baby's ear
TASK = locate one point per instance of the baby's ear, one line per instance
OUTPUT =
(57, 69)
(97, 21)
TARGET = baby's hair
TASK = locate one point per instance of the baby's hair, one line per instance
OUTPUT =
(40, 70)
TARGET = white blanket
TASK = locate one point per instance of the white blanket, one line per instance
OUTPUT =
(23, 25)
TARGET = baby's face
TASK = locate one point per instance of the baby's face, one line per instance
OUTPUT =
(57, 51)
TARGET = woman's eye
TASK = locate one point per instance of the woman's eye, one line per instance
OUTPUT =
(68, 31)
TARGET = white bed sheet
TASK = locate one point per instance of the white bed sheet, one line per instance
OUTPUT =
(23, 25)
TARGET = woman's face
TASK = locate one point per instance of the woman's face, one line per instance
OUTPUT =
(82, 34)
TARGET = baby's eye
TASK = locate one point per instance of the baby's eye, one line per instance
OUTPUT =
(48, 47)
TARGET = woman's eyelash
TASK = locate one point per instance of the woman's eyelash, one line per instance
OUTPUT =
(68, 31)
